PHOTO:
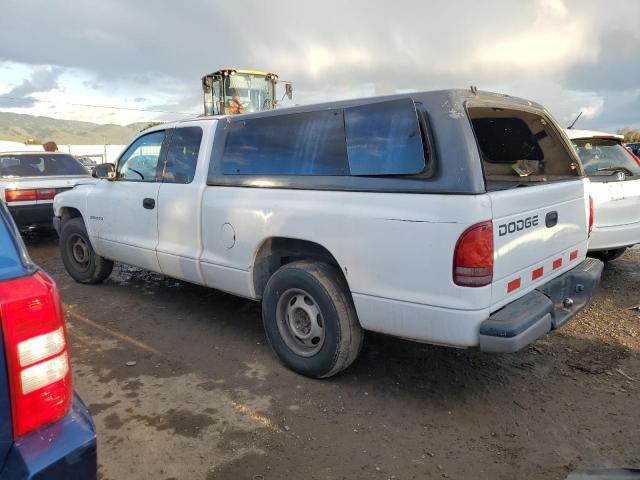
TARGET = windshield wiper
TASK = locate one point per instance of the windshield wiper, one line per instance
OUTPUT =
(624, 170)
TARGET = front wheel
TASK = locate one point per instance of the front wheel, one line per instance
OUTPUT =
(78, 256)
(310, 320)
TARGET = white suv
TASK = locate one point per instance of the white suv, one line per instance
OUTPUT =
(615, 189)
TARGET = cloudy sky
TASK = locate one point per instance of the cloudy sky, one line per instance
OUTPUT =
(571, 56)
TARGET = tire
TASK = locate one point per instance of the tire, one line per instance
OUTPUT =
(293, 298)
(79, 258)
(609, 255)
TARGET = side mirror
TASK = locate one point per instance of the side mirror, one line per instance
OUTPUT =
(104, 170)
(288, 90)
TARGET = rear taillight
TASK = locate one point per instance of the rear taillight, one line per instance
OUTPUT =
(473, 256)
(14, 195)
(35, 342)
(46, 193)
(590, 215)
(30, 194)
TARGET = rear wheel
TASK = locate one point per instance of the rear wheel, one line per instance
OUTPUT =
(78, 256)
(608, 255)
(310, 320)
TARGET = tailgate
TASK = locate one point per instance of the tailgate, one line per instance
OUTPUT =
(615, 203)
(539, 232)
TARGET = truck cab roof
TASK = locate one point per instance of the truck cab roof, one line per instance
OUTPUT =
(452, 97)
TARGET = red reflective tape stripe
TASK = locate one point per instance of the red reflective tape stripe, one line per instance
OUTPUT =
(573, 255)
(513, 285)
(557, 263)
(537, 273)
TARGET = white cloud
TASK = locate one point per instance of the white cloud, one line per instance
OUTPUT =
(569, 55)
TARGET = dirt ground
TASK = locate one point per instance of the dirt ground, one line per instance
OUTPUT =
(206, 398)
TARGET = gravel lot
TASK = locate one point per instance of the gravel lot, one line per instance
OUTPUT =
(206, 399)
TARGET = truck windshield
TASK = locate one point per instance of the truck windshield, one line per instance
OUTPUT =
(39, 165)
(246, 93)
(600, 155)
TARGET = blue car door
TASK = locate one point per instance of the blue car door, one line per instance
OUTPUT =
(5, 409)
(12, 264)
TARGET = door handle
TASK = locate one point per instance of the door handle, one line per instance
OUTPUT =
(551, 220)
(149, 203)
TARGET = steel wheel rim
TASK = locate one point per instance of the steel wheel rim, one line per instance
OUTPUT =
(79, 251)
(300, 322)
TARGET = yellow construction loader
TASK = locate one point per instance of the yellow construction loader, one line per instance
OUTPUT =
(231, 91)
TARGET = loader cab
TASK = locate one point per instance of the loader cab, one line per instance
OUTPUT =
(232, 91)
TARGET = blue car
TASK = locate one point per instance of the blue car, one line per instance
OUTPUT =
(46, 432)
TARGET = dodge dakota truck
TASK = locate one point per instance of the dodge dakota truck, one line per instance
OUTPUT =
(451, 217)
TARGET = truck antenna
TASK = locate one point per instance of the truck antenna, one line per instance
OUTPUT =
(574, 122)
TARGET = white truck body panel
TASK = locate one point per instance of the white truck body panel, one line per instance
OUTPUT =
(518, 253)
(180, 221)
(131, 236)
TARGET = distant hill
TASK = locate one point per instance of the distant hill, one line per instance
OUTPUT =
(19, 127)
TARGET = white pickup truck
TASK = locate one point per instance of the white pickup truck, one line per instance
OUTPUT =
(401, 215)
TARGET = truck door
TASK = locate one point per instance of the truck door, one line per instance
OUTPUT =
(123, 218)
(179, 202)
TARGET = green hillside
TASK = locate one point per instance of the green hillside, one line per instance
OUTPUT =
(18, 128)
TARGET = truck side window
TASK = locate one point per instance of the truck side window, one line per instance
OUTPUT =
(384, 138)
(139, 163)
(310, 143)
(182, 155)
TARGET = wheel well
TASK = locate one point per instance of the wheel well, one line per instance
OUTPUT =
(67, 213)
(277, 251)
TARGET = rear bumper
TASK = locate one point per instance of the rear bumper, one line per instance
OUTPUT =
(546, 308)
(32, 215)
(616, 236)
(65, 449)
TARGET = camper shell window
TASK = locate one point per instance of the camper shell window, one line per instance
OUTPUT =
(379, 139)
(519, 147)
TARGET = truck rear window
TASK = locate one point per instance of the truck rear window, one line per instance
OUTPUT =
(519, 147)
(506, 140)
(39, 164)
